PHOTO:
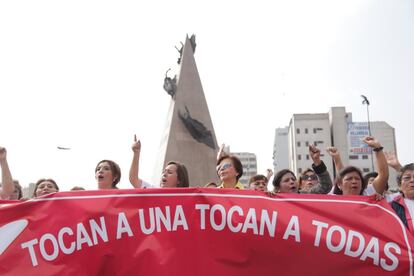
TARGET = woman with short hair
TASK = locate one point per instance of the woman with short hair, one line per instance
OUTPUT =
(312, 181)
(285, 182)
(174, 175)
(229, 170)
(350, 181)
(45, 186)
(107, 174)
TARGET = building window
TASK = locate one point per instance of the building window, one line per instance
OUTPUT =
(314, 130)
(307, 156)
(297, 131)
(307, 143)
(365, 170)
(315, 143)
(300, 170)
(306, 131)
(299, 157)
(353, 157)
(364, 156)
(298, 143)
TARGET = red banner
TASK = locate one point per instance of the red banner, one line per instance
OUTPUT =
(201, 232)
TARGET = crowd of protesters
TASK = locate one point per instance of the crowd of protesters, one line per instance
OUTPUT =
(314, 180)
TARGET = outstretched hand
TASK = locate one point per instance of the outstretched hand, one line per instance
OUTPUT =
(136, 146)
(392, 159)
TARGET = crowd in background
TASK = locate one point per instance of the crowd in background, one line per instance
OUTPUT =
(314, 180)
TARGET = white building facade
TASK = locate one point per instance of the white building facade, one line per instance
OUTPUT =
(249, 162)
(305, 130)
(281, 149)
(334, 128)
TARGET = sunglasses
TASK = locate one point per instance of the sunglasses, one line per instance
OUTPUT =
(309, 177)
(223, 167)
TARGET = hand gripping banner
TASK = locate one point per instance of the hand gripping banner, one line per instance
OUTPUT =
(201, 231)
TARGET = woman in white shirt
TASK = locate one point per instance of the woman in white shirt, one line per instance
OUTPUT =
(174, 175)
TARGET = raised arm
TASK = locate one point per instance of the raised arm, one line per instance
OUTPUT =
(269, 174)
(334, 153)
(325, 181)
(392, 160)
(6, 177)
(133, 171)
(381, 180)
(221, 152)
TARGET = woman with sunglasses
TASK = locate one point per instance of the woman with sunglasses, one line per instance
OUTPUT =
(403, 202)
(308, 179)
(229, 169)
(316, 180)
(312, 181)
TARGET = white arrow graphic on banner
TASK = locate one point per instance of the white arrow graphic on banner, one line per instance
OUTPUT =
(10, 231)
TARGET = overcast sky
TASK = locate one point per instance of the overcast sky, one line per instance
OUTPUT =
(89, 74)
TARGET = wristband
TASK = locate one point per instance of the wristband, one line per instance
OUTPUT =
(378, 149)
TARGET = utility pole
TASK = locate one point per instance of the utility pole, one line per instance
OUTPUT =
(365, 101)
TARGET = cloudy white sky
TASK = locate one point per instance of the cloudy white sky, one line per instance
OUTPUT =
(89, 74)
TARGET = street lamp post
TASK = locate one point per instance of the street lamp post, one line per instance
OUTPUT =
(365, 101)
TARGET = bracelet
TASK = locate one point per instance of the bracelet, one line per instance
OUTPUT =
(378, 149)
